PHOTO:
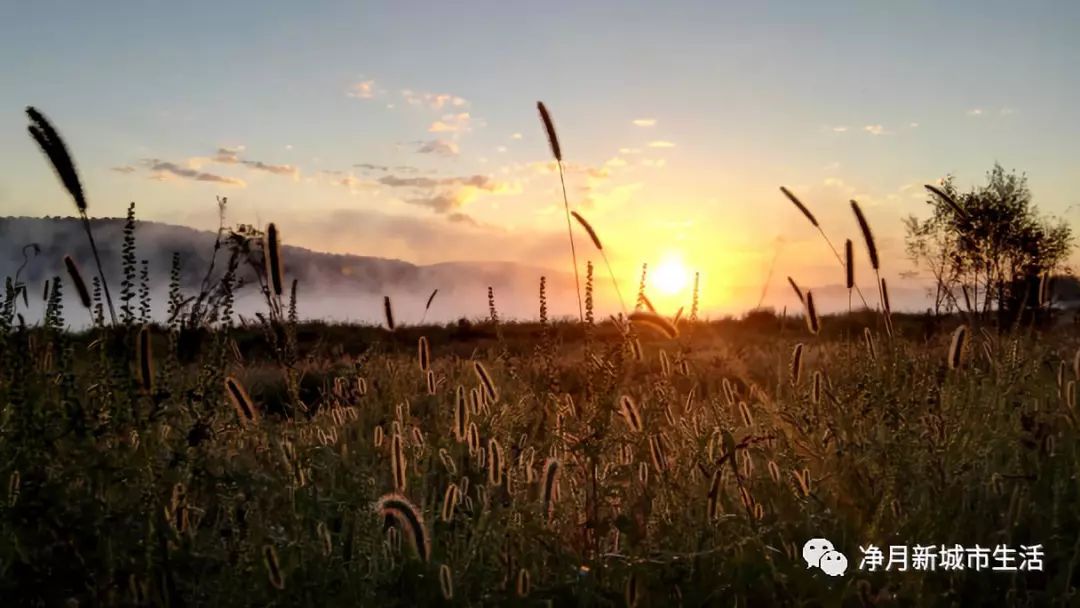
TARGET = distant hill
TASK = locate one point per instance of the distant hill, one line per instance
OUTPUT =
(332, 286)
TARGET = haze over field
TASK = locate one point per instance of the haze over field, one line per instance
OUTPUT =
(409, 131)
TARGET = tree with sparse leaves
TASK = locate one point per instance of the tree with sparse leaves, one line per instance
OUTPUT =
(987, 248)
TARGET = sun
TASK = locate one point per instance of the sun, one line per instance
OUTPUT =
(670, 276)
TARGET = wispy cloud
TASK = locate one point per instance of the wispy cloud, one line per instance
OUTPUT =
(516, 136)
(362, 90)
(975, 112)
(451, 123)
(644, 122)
(839, 129)
(461, 218)
(123, 169)
(435, 101)
(231, 156)
(441, 147)
(876, 130)
(481, 182)
(446, 194)
(161, 170)
(661, 144)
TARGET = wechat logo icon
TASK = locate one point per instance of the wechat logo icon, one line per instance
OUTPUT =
(820, 553)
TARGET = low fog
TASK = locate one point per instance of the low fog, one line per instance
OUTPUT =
(347, 288)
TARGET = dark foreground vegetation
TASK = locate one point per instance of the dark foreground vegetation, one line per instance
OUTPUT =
(642, 460)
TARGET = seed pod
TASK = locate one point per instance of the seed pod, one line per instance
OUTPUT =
(450, 501)
(446, 582)
(550, 480)
(273, 567)
(398, 463)
(956, 346)
(630, 414)
(495, 462)
(423, 354)
(407, 516)
(240, 400)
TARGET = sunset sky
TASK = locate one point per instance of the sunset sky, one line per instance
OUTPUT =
(409, 130)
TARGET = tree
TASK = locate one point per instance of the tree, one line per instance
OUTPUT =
(987, 248)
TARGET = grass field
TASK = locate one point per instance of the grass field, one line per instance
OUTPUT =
(604, 464)
(642, 460)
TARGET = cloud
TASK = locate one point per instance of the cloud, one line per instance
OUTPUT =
(362, 90)
(615, 162)
(516, 136)
(461, 218)
(442, 202)
(975, 112)
(661, 144)
(435, 101)
(162, 170)
(839, 129)
(440, 147)
(913, 125)
(644, 122)
(569, 167)
(447, 194)
(482, 182)
(353, 183)
(1007, 111)
(231, 156)
(629, 151)
(123, 169)
(371, 167)
(876, 130)
(451, 123)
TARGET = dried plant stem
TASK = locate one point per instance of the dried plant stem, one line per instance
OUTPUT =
(573, 249)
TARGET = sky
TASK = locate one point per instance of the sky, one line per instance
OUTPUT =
(409, 130)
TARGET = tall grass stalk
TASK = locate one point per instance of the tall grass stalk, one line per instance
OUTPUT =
(556, 151)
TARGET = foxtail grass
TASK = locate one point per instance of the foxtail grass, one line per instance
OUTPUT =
(556, 151)
(407, 516)
(273, 567)
(796, 363)
(446, 582)
(603, 254)
(813, 222)
(656, 322)
(798, 292)
(490, 391)
(427, 306)
(423, 353)
(956, 346)
(245, 409)
(77, 280)
(872, 253)
(550, 480)
(50, 142)
(398, 463)
(950, 201)
(813, 323)
(629, 411)
(389, 312)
